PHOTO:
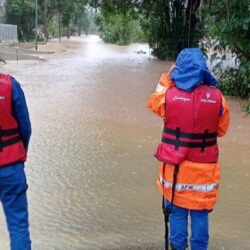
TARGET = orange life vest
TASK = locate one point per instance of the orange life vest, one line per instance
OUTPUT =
(11, 147)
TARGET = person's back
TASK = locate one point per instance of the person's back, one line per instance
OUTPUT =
(195, 113)
(190, 125)
(15, 132)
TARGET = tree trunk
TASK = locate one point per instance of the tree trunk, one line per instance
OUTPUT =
(59, 26)
(166, 15)
(68, 31)
(79, 25)
(191, 18)
(46, 21)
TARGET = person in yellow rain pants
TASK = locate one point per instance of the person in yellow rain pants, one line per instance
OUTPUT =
(195, 113)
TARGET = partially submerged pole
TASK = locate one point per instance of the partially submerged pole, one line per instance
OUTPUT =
(59, 25)
(36, 23)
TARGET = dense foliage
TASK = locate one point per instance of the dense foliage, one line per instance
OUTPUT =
(22, 13)
(218, 27)
(68, 13)
(247, 108)
(120, 29)
(171, 25)
(228, 26)
(168, 25)
(118, 21)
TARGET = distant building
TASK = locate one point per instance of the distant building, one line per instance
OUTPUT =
(8, 32)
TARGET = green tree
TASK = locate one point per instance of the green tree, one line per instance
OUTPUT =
(75, 14)
(171, 25)
(81, 18)
(228, 26)
(22, 13)
(117, 20)
(168, 25)
(85, 22)
(228, 22)
(67, 15)
(116, 28)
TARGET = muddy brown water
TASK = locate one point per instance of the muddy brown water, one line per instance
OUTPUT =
(91, 170)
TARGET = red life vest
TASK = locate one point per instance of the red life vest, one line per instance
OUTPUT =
(11, 147)
(190, 125)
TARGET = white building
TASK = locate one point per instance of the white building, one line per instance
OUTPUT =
(8, 33)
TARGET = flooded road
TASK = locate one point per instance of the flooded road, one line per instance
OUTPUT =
(91, 170)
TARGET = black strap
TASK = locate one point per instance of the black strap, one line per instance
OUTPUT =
(177, 134)
(1, 149)
(176, 170)
(9, 142)
(167, 210)
(204, 140)
(193, 136)
(8, 132)
(201, 145)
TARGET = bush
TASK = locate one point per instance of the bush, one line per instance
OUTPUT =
(120, 29)
(228, 24)
(247, 108)
(235, 81)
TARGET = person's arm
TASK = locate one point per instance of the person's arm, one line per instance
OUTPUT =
(224, 119)
(21, 113)
(157, 99)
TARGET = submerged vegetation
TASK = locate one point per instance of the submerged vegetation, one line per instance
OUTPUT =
(228, 24)
(120, 28)
(168, 26)
(218, 27)
(247, 108)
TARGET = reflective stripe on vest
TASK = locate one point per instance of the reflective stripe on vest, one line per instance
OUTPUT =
(190, 187)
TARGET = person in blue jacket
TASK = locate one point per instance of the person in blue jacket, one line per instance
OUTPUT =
(15, 132)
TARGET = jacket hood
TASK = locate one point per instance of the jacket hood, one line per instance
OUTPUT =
(191, 70)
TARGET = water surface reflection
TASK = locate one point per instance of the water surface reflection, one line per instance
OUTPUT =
(91, 169)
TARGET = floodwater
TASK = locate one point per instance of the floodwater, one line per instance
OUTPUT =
(91, 170)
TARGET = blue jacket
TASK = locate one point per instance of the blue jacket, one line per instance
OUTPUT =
(21, 113)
